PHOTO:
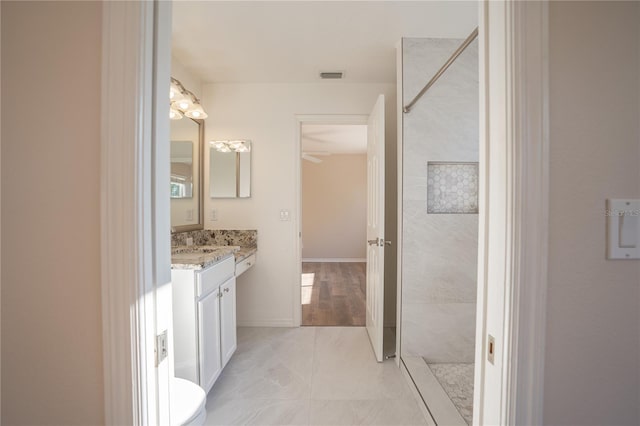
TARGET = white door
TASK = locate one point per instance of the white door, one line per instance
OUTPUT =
(375, 226)
(228, 340)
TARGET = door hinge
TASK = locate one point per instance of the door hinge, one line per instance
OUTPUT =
(162, 348)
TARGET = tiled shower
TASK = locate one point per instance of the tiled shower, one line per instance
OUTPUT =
(440, 223)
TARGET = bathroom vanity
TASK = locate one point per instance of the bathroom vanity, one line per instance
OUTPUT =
(204, 308)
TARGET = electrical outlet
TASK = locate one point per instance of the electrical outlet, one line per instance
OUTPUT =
(190, 215)
(162, 347)
(213, 215)
(189, 241)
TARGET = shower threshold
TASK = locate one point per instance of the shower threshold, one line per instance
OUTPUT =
(445, 388)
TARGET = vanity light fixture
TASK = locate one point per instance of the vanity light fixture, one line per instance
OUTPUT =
(231, 146)
(175, 113)
(196, 112)
(184, 102)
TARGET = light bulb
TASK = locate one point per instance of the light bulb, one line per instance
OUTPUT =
(218, 144)
(183, 104)
(174, 114)
(196, 111)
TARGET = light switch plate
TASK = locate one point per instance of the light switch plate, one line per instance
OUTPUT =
(623, 229)
(285, 215)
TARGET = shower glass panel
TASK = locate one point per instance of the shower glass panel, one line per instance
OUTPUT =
(440, 226)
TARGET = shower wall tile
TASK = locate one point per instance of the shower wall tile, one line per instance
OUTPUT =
(439, 259)
(440, 129)
(422, 58)
(447, 331)
(439, 250)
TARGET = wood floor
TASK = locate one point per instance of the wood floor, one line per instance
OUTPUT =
(333, 294)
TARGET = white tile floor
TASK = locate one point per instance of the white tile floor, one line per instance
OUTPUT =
(310, 376)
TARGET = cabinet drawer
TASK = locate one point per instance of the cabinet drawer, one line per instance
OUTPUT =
(209, 279)
(245, 264)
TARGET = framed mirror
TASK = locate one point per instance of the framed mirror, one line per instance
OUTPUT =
(230, 169)
(187, 208)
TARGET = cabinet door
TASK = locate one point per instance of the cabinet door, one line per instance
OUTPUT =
(228, 319)
(209, 339)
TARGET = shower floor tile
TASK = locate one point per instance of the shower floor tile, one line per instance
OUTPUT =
(457, 381)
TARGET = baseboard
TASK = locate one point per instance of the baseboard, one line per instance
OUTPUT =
(266, 323)
(335, 259)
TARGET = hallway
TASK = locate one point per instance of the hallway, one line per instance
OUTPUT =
(310, 376)
(333, 293)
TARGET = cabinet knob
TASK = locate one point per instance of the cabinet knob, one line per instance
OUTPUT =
(226, 290)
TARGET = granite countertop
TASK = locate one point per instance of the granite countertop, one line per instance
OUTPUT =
(199, 257)
(244, 252)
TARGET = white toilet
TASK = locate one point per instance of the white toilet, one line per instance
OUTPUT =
(187, 403)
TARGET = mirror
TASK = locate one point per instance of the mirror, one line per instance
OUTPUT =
(186, 174)
(182, 169)
(230, 169)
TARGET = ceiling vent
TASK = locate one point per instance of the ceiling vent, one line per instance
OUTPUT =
(332, 75)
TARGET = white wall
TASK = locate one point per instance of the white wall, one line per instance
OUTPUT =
(592, 364)
(51, 305)
(334, 207)
(265, 114)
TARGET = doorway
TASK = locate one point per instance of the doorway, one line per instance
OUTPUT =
(334, 209)
(489, 405)
(374, 238)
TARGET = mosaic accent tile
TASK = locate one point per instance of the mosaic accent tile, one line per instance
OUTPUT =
(452, 187)
(457, 381)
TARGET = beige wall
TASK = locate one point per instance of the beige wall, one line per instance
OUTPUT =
(592, 352)
(51, 314)
(334, 207)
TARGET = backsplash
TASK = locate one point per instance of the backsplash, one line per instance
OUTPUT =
(217, 237)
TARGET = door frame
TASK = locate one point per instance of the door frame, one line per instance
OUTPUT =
(514, 170)
(516, 140)
(301, 119)
(135, 241)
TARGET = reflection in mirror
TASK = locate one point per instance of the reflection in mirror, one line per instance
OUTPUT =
(230, 169)
(181, 169)
(186, 158)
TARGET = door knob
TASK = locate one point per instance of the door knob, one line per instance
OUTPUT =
(373, 242)
(387, 243)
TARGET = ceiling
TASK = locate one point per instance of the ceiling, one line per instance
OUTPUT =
(292, 41)
(334, 138)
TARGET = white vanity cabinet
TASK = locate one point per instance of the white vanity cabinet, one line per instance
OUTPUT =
(204, 321)
(228, 341)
